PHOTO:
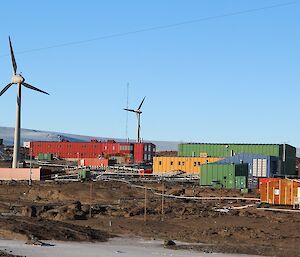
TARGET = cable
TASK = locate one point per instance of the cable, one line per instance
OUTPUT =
(122, 34)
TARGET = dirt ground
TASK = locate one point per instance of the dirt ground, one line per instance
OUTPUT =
(61, 211)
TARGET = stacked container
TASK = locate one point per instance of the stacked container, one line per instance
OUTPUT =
(285, 153)
(224, 175)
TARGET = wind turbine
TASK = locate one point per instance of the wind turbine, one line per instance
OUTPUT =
(20, 81)
(138, 115)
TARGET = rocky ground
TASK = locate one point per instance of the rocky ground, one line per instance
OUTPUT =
(61, 211)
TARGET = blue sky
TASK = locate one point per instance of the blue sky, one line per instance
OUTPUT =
(231, 79)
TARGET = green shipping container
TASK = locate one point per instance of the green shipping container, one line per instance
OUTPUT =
(224, 175)
(45, 156)
(84, 174)
(286, 153)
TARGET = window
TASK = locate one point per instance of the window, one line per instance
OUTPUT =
(113, 148)
(171, 163)
(159, 163)
(199, 163)
(182, 163)
(195, 164)
(179, 163)
(105, 147)
(149, 157)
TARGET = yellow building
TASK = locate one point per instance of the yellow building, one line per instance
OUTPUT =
(189, 165)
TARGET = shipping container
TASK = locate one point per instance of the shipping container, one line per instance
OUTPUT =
(224, 175)
(285, 153)
(278, 191)
(94, 162)
(258, 166)
(45, 156)
(84, 174)
(189, 165)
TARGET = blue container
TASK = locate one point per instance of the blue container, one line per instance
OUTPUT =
(259, 166)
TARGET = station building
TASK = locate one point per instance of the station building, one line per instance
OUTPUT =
(131, 152)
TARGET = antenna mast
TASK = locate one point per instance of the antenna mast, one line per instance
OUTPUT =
(127, 106)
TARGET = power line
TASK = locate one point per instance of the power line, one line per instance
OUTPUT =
(160, 27)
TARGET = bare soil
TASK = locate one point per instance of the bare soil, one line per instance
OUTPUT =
(61, 211)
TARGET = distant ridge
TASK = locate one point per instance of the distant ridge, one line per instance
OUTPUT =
(7, 133)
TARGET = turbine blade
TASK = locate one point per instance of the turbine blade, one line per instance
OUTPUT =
(34, 88)
(4, 89)
(129, 110)
(13, 60)
(141, 103)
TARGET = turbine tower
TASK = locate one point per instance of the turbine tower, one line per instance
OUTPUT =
(138, 116)
(20, 81)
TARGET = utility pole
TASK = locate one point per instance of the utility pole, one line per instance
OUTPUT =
(162, 200)
(30, 171)
(145, 206)
(91, 198)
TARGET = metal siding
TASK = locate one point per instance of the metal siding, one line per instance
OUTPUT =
(224, 174)
(85, 149)
(186, 164)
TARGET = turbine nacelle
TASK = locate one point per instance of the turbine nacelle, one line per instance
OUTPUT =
(17, 79)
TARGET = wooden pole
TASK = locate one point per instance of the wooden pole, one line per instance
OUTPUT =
(145, 206)
(91, 198)
(162, 201)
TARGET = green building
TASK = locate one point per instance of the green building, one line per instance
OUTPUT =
(285, 153)
(224, 175)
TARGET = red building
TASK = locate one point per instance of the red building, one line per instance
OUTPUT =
(134, 152)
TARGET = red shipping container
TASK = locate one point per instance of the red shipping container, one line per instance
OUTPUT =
(93, 162)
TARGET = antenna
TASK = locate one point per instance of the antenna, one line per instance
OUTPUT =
(127, 106)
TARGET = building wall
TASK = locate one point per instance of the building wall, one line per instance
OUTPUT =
(19, 174)
(279, 191)
(285, 152)
(227, 150)
(189, 165)
(224, 175)
(93, 149)
(144, 152)
(259, 165)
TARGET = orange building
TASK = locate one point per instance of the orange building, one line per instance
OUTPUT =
(279, 191)
(189, 165)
